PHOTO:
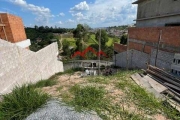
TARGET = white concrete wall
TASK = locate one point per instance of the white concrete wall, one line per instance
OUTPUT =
(18, 65)
(24, 44)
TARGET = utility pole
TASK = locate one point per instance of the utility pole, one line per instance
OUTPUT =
(127, 54)
(99, 55)
(157, 50)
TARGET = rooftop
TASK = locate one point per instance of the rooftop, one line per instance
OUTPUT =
(138, 1)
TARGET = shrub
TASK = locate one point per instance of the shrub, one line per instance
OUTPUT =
(21, 102)
(45, 83)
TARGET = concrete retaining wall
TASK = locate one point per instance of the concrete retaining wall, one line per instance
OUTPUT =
(18, 65)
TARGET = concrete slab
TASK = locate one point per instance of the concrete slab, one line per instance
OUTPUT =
(157, 86)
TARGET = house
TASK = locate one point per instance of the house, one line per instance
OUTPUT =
(12, 30)
(155, 39)
(153, 13)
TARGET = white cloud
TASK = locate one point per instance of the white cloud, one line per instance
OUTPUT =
(43, 14)
(107, 12)
(60, 22)
(61, 14)
(79, 14)
(82, 6)
(70, 21)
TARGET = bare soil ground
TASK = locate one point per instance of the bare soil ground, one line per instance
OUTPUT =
(116, 95)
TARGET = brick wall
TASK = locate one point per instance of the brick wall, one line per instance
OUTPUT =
(120, 47)
(14, 28)
(143, 43)
(18, 65)
(170, 38)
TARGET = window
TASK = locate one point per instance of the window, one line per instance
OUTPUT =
(172, 24)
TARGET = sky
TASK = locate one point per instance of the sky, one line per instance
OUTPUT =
(69, 13)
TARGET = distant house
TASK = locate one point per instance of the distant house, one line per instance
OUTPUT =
(153, 13)
(156, 37)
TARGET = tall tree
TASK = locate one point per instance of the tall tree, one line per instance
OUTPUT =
(80, 33)
(104, 38)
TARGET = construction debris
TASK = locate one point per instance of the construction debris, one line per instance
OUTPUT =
(160, 83)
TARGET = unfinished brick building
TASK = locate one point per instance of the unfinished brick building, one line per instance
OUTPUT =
(12, 30)
(156, 37)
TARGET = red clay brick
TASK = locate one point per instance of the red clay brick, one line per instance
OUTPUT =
(119, 47)
(135, 46)
(169, 36)
(147, 49)
(14, 28)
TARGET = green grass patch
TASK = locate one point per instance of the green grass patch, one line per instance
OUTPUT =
(87, 97)
(93, 38)
(99, 79)
(144, 100)
(21, 103)
(45, 83)
(71, 71)
(71, 41)
(110, 42)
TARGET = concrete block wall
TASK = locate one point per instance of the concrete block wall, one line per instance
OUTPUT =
(19, 66)
(136, 59)
(139, 59)
(121, 59)
(14, 28)
(164, 59)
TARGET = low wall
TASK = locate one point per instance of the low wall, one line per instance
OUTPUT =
(19, 66)
(138, 59)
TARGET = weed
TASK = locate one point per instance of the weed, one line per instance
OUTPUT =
(44, 83)
(59, 88)
(88, 97)
(142, 99)
(93, 98)
(21, 102)
(100, 79)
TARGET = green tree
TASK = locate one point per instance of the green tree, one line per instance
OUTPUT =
(66, 49)
(80, 34)
(104, 38)
(123, 40)
(79, 31)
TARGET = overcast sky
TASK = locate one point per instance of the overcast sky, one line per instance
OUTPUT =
(68, 13)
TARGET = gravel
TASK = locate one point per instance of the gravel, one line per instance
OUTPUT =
(55, 110)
